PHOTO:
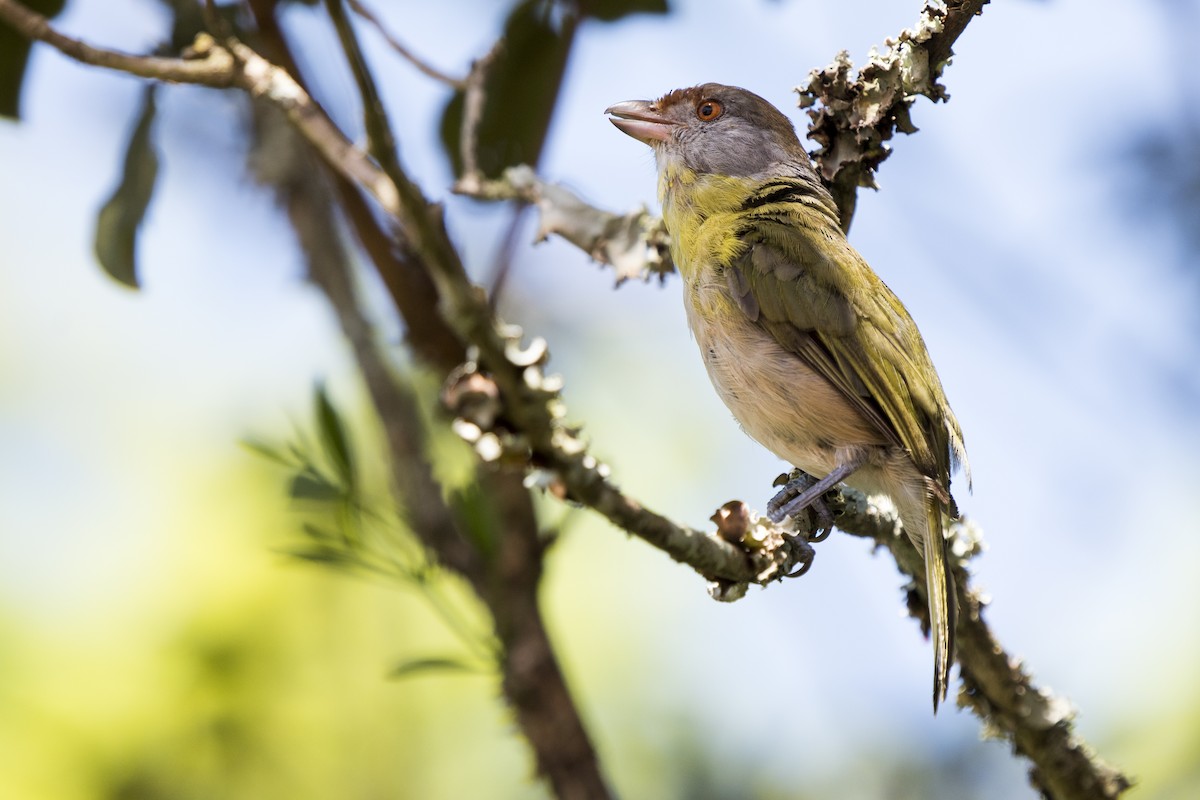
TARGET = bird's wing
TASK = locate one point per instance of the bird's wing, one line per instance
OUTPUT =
(823, 303)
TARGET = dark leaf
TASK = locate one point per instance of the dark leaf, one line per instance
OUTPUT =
(521, 88)
(14, 56)
(329, 556)
(334, 441)
(190, 19)
(612, 10)
(309, 485)
(473, 509)
(319, 534)
(122, 214)
(418, 666)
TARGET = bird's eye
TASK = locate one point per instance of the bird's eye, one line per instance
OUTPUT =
(708, 110)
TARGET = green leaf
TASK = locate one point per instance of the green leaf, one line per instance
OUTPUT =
(473, 509)
(122, 214)
(334, 440)
(419, 666)
(328, 556)
(14, 57)
(320, 535)
(310, 485)
(521, 88)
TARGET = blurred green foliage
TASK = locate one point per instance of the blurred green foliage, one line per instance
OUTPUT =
(522, 83)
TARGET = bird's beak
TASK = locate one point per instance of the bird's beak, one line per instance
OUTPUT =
(639, 119)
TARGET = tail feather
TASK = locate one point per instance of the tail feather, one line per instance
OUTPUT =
(943, 607)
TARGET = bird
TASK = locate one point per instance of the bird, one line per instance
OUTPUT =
(816, 358)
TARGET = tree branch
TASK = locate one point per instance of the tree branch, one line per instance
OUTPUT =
(635, 245)
(427, 514)
(210, 68)
(381, 142)
(996, 685)
(505, 563)
(852, 117)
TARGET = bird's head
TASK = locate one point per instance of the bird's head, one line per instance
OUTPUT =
(713, 129)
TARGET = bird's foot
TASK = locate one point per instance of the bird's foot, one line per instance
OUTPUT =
(801, 553)
(800, 491)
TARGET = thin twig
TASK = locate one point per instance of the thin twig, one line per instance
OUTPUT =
(474, 102)
(405, 53)
(503, 262)
(207, 67)
(412, 293)
(381, 142)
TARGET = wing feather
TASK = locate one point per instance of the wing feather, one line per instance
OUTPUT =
(817, 297)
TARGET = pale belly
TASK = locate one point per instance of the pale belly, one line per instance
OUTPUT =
(779, 401)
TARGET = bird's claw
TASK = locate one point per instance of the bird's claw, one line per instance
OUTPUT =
(824, 520)
(784, 504)
(804, 555)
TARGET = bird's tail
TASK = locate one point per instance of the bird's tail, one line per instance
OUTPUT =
(943, 608)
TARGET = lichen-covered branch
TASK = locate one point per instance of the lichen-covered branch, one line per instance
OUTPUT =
(854, 115)
(996, 686)
(525, 428)
(635, 245)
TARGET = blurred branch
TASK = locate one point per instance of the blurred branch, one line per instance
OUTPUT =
(852, 116)
(409, 287)
(474, 98)
(307, 202)
(381, 142)
(511, 555)
(210, 68)
(408, 55)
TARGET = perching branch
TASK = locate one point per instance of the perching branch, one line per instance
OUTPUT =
(995, 685)
(524, 428)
